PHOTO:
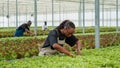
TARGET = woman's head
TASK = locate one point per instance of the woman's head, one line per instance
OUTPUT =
(45, 22)
(29, 23)
(66, 23)
(67, 28)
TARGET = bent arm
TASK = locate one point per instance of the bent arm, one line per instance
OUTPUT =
(78, 46)
(62, 49)
(26, 30)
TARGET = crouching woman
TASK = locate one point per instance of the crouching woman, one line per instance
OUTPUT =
(58, 37)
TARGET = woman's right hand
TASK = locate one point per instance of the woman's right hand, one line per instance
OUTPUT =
(71, 55)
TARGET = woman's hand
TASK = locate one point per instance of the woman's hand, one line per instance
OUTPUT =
(78, 52)
(71, 55)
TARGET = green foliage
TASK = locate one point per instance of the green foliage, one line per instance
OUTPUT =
(90, 58)
(20, 47)
(10, 32)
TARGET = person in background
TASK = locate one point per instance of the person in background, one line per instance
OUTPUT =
(23, 28)
(44, 27)
(57, 37)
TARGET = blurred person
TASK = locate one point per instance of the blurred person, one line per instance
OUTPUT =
(23, 28)
(44, 27)
(57, 37)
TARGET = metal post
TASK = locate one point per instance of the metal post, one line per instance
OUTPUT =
(52, 13)
(35, 18)
(8, 12)
(63, 13)
(46, 13)
(14, 20)
(3, 15)
(83, 16)
(26, 13)
(59, 11)
(97, 29)
(102, 12)
(79, 16)
(16, 13)
(110, 16)
(107, 17)
(19, 16)
(116, 16)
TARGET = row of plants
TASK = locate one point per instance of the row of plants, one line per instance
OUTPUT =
(105, 40)
(19, 47)
(10, 33)
(16, 48)
(93, 58)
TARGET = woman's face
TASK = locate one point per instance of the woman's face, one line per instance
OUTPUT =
(29, 24)
(69, 31)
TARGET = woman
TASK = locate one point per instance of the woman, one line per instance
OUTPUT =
(57, 37)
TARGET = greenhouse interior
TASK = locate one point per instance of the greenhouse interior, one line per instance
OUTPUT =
(30, 30)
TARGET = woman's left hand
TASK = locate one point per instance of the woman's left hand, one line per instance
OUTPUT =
(78, 52)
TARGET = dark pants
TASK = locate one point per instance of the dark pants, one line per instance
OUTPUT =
(19, 33)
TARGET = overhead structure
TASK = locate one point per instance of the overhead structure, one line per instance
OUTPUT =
(82, 12)
(70, 5)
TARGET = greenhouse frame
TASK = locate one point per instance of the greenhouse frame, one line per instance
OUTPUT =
(95, 12)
